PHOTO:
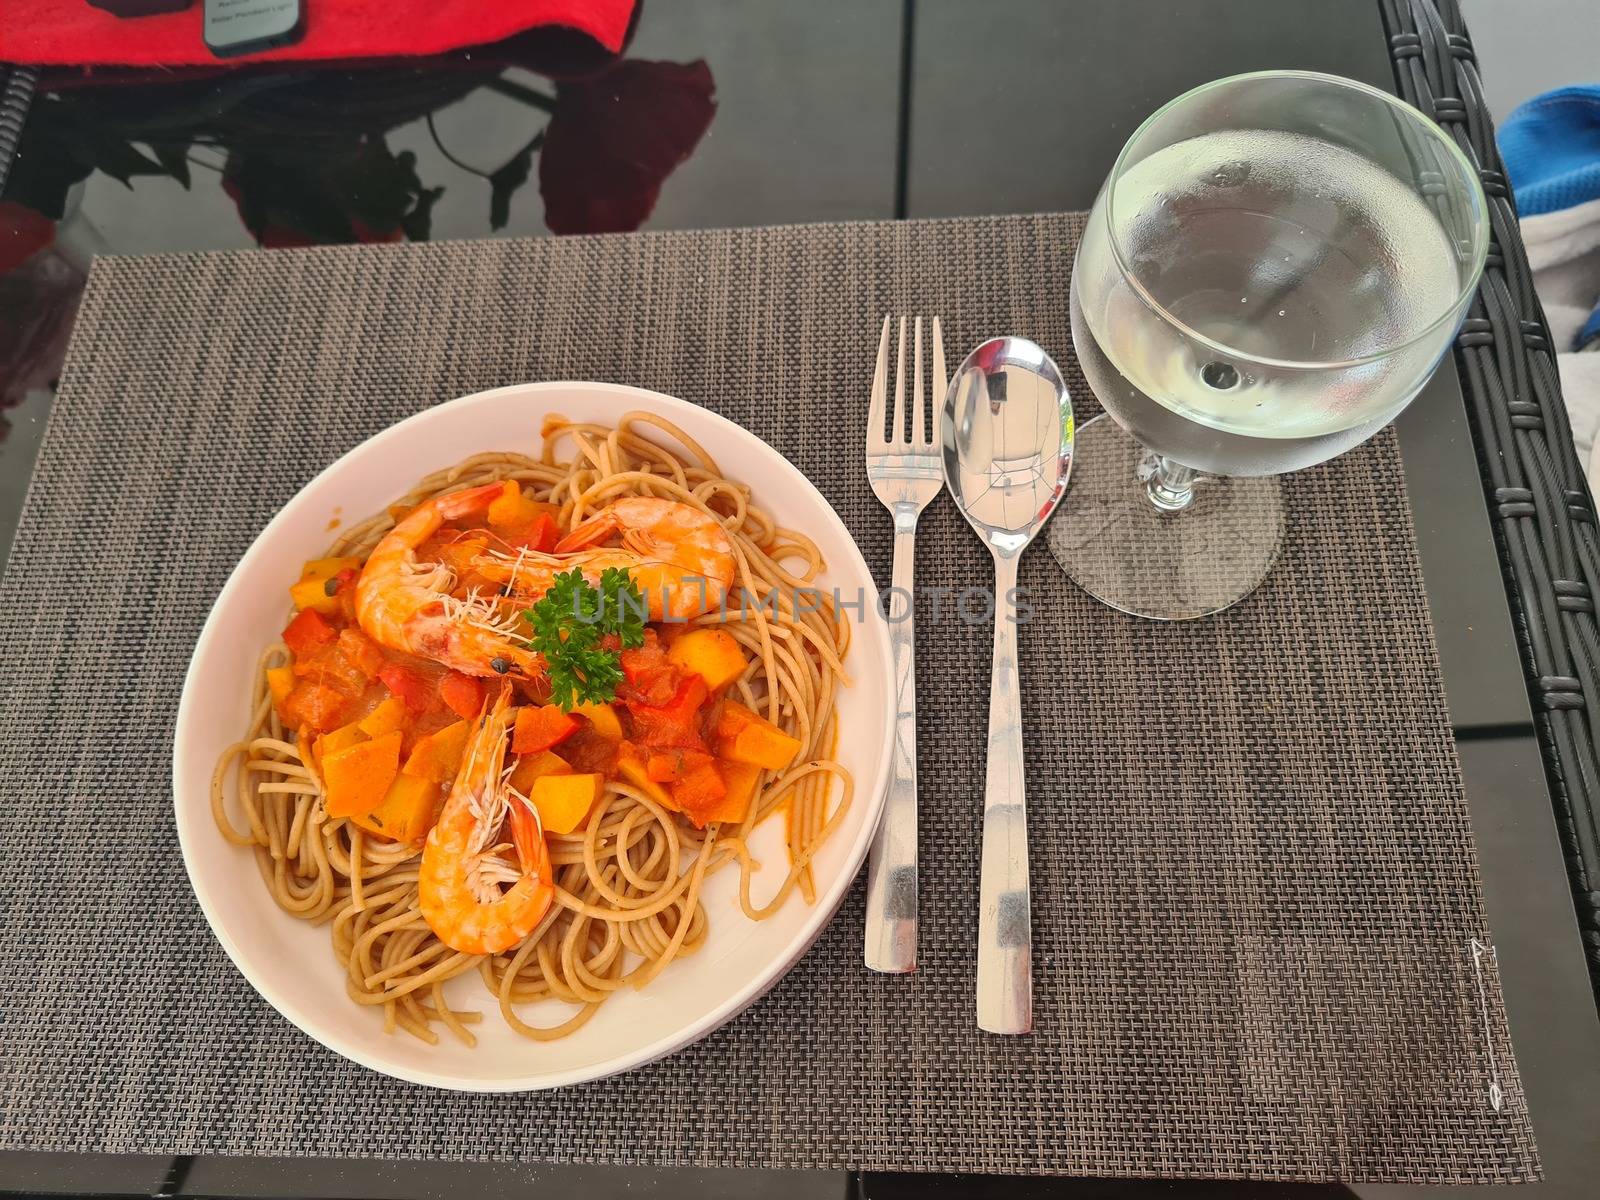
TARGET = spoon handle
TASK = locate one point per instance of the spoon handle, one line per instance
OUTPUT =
(1005, 934)
(891, 942)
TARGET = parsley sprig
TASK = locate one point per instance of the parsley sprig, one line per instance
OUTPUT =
(568, 624)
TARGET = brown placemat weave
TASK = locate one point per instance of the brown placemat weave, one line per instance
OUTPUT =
(1255, 892)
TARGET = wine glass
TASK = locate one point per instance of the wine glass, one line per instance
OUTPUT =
(1273, 269)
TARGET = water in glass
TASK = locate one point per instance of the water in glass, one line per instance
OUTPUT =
(1288, 267)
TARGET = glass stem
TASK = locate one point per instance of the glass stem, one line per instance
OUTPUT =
(1170, 485)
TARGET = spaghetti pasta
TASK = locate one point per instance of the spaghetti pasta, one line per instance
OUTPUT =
(628, 881)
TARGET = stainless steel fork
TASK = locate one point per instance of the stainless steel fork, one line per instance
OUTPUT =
(905, 475)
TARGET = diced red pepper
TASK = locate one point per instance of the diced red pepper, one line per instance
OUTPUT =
(309, 630)
(315, 706)
(692, 693)
(541, 728)
(547, 532)
(650, 678)
(642, 660)
(330, 665)
(656, 689)
(408, 685)
(361, 650)
(700, 790)
(540, 537)
(587, 751)
(674, 724)
(462, 693)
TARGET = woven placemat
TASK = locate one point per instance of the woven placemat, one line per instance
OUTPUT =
(1256, 902)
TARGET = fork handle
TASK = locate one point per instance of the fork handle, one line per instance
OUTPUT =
(1005, 932)
(891, 942)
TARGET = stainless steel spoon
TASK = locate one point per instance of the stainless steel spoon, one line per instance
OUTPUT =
(1007, 451)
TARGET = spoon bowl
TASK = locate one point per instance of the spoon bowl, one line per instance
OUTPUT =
(1007, 441)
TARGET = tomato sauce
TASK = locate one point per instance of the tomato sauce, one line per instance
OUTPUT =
(670, 731)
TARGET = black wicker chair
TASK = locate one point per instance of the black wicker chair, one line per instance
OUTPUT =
(1543, 512)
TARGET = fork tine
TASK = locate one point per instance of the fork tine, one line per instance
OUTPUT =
(919, 398)
(940, 385)
(897, 431)
(880, 388)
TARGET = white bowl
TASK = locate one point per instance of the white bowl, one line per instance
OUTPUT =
(290, 963)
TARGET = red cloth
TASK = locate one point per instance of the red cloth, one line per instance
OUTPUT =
(74, 32)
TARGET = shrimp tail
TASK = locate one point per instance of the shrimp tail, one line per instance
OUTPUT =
(603, 525)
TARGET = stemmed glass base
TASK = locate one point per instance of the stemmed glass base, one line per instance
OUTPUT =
(1155, 539)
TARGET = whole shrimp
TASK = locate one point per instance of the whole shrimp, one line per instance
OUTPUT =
(406, 605)
(463, 868)
(679, 558)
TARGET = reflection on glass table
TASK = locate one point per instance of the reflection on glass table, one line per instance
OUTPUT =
(307, 155)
